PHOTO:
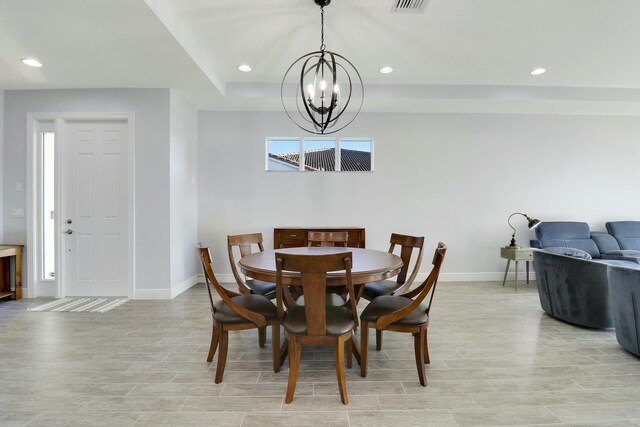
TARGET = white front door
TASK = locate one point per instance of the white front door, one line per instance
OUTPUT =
(96, 189)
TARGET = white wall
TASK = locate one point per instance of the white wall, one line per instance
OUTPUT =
(1, 163)
(450, 177)
(151, 108)
(183, 154)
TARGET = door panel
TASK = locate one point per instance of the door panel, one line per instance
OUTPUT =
(96, 186)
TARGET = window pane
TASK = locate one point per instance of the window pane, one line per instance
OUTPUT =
(48, 236)
(355, 155)
(283, 155)
(319, 155)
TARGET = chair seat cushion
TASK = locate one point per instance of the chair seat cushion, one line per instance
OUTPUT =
(262, 288)
(377, 289)
(257, 303)
(388, 304)
(332, 299)
(339, 321)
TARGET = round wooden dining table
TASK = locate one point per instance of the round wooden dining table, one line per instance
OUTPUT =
(368, 265)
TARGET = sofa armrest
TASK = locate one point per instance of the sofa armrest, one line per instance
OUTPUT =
(535, 244)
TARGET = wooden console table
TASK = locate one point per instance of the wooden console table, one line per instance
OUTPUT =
(294, 237)
(6, 253)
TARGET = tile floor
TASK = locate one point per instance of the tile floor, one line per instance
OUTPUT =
(496, 360)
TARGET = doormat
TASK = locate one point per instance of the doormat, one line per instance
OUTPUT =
(82, 305)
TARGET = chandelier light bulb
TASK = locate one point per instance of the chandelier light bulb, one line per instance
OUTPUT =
(32, 62)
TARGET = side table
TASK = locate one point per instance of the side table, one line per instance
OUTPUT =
(516, 254)
(6, 253)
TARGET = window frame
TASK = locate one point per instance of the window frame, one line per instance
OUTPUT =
(301, 144)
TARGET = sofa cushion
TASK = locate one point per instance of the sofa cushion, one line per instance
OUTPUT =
(563, 230)
(572, 252)
(627, 233)
(605, 242)
(567, 234)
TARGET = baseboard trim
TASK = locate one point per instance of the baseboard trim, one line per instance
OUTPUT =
(181, 287)
(167, 293)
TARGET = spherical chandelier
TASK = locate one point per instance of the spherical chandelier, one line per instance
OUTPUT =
(322, 91)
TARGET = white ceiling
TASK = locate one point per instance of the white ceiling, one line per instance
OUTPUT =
(460, 55)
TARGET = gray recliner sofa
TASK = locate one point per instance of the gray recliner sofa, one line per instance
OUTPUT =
(571, 272)
(578, 235)
(573, 289)
(624, 291)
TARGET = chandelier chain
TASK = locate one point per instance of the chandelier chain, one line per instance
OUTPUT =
(322, 46)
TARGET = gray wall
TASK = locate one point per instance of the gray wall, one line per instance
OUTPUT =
(450, 177)
(183, 193)
(151, 108)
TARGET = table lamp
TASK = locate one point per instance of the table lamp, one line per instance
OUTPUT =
(533, 223)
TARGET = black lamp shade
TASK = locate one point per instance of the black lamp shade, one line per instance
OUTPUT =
(533, 223)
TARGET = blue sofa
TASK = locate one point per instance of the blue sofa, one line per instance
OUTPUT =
(575, 289)
(571, 271)
(599, 245)
(624, 291)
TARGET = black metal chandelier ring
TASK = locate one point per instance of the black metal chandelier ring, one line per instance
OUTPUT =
(324, 89)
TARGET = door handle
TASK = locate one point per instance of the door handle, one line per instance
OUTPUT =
(69, 232)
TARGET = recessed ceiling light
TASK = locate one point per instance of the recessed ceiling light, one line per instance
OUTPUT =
(538, 71)
(386, 70)
(32, 62)
(244, 68)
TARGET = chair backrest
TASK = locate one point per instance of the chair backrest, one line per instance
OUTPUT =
(226, 295)
(313, 271)
(407, 244)
(419, 293)
(205, 259)
(244, 242)
(327, 238)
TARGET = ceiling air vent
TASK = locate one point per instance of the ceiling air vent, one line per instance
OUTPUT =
(409, 6)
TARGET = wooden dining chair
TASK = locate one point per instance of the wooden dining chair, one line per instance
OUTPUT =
(407, 245)
(404, 313)
(236, 312)
(327, 238)
(316, 322)
(245, 242)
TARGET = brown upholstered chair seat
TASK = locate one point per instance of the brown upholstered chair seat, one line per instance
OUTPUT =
(262, 288)
(332, 300)
(257, 303)
(388, 304)
(339, 320)
(376, 289)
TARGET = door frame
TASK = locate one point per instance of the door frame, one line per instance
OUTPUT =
(33, 238)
